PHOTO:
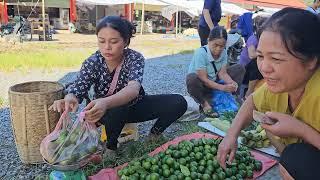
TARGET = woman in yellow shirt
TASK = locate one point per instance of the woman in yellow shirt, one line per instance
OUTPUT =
(289, 60)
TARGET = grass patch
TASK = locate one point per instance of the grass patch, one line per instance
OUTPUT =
(136, 149)
(189, 51)
(43, 59)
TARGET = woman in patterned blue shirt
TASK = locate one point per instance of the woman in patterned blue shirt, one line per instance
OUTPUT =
(126, 102)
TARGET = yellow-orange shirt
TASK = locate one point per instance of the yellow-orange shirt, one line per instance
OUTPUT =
(307, 111)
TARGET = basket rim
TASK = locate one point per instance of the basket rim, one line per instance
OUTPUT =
(30, 93)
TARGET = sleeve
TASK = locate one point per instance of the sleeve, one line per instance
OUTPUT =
(136, 68)
(208, 4)
(200, 59)
(252, 41)
(84, 81)
(260, 99)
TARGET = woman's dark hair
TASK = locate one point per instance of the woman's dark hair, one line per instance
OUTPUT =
(123, 26)
(299, 30)
(217, 33)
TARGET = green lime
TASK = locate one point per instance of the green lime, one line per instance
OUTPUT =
(209, 156)
(242, 166)
(249, 174)
(201, 169)
(188, 178)
(202, 162)
(228, 172)
(180, 176)
(205, 177)
(168, 152)
(210, 168)
(198, 156)
(233, 178)
(154, 176)
(221, 175)
(194, 175)
(154, 168)
(215, 177)
(257, 166)
(239, 177)
(196, 149)
(170, 162)
(172, 147)
(193, 169)
(173, 177)
(242, 173)
(215, 164)
(209, 162)
(166, 173)
(182, 161)
(176, 154)
(146, 165)
(165, 166)
(184, 153)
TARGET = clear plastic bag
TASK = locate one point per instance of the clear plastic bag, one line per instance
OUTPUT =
(70, 143)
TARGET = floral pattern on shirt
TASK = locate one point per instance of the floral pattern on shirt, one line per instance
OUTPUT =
(94, 72)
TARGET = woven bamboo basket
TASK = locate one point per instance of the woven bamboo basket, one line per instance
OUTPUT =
(30, 118)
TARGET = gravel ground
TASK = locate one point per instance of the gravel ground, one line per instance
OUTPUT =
(162, 75)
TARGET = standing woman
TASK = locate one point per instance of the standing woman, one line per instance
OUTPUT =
(208, 65)
(121, 101)
(288, 58)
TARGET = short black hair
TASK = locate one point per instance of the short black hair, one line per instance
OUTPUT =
(299, 30)
(123, 26)
(217, 33)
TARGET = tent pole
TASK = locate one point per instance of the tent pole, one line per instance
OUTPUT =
(142, 18)
(177, 16)
(44, 21)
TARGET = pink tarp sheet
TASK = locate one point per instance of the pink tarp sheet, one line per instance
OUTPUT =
(111, 174)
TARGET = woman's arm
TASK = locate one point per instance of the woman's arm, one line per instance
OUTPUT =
(225, 76)
(203, 76)
(207, 18)
(124, 96)
(252, 52)
(228, 146)
(311, 136)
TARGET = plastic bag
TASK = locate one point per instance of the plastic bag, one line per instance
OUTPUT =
(223, 101)
(70, 143)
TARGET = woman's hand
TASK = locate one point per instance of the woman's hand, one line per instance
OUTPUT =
(70, 102)
(96, 109)
(286, 125)
(228, 146)
(229, 88)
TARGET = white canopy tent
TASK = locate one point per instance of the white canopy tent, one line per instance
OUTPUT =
(194, 8)
(117, 2)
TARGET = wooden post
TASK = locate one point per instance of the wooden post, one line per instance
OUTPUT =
(44, 21)
(142, 18)
(177, 19)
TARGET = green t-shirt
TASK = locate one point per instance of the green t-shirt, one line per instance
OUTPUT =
(201, 60)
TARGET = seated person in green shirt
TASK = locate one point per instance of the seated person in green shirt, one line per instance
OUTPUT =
(288, 57)
(209, 64)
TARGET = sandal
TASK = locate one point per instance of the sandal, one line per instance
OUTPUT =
(210, 113)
